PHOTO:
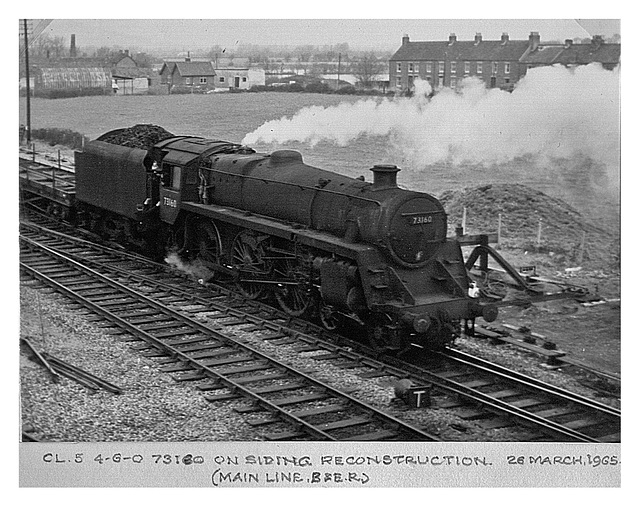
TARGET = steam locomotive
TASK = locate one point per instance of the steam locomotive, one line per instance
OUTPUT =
(321, 244)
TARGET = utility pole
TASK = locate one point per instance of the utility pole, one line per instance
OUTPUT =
(338, 81)
(26, 64)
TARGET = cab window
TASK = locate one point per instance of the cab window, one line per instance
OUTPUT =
(175, 177)
(171, 176)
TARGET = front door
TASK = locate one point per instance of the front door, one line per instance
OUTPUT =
(237, 82)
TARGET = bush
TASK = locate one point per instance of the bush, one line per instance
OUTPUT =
(295, 88)
(71, 92)
(347, 90)
(260, 88)
(61, 136)
(318, 87)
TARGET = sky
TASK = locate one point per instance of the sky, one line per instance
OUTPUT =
(315, 28)
(380, 33)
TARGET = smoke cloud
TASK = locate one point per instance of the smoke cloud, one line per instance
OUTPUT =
(553, 112)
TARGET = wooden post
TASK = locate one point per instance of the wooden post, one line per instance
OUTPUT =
(53, 174)
(539, 233)
(33, 151)
(464, 219)
(582, 245)
(499, 226)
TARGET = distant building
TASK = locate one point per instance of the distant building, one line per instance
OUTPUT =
(116, 74)
(72, 75)
(571, 54)
(129, 79)
(188, 75)
(236, 73)
(498, 63)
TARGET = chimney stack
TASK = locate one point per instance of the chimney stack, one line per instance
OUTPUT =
(505, 38)
(534, 41)
(478, 38)
(597, 41)
(72, 49)
(385, 176)
(452, 39)
(405, 39)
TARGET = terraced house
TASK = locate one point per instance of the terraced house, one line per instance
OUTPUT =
(498, 63)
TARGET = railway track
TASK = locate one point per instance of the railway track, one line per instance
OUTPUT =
(476, 390)
(224, 367)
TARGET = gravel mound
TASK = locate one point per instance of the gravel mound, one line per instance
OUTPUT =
(137, 136)
(523, 211)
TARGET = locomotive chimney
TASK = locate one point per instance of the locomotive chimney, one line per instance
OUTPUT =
(385, 176)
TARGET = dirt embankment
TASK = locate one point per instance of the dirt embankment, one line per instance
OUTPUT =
(533, 222)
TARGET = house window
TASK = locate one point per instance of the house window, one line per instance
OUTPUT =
(398, 82)
(440, 67)
(222, 79)
(399, 67)
(416, 68)
(410, 82)
(411, 67)
(454, 82)
(495, 67)
(467, 67)
(244, 79)
(203, 80)
(454, 67)
(188, 80)
(429, 67)
(479, 67)
(507, 68)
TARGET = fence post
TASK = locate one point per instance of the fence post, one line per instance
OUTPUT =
(582, 245)
(499, 227)
(464, 220)
(539, 233)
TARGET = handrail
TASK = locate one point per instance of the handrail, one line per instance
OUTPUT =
(287, 183)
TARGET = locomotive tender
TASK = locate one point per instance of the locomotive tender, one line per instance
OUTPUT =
(321, 243)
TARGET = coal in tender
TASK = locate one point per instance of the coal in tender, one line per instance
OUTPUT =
(138, 136)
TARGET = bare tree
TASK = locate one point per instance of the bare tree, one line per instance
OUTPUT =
(367, 68)
(46, 46)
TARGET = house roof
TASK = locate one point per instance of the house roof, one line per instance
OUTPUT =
(462, 50)
(132, 72)
(574, 54)
(192, 69)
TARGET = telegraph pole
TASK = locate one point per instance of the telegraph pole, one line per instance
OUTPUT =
(26, 64)
(338, 81)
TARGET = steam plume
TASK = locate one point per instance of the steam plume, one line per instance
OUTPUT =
(554, 112)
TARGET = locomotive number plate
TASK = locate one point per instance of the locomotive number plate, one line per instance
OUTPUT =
(169, 202)
(420, 220)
